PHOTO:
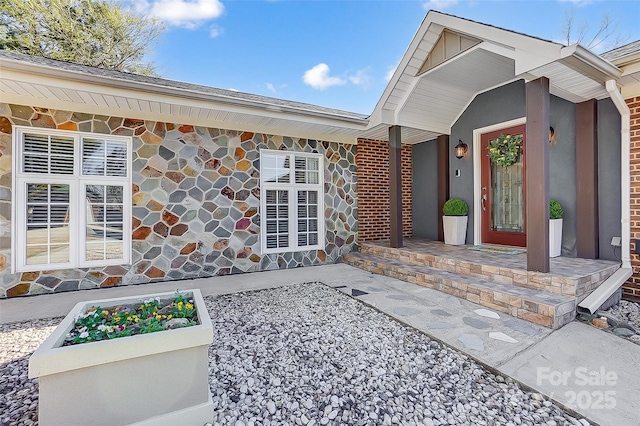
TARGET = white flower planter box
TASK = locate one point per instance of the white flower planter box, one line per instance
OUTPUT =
(555, 237)
(159, 378)
(455, 229)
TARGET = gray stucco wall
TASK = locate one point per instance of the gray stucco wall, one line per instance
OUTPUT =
(492, 107)
(499, 105)
(608, 177)
(562, 168)
(425, 190)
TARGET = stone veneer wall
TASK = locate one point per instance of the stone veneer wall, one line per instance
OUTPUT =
(631, 289)
(195, 202)
(373, 190)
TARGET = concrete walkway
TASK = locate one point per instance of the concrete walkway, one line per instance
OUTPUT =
(586, 369)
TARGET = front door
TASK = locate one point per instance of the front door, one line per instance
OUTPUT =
(503, 195)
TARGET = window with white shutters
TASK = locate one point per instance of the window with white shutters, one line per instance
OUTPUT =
(71, 200)
(291, 201)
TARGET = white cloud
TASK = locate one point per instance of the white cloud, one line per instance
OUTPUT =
(215, 31)
(439, 4)
(318, 77)
(361, 77)
(182, 13)
(271, 87)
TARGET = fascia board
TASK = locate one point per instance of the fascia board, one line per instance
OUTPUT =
(624, 61)
(420, 126)
(406, 58)
(589, 64)
(74, 79)
(499, 36)
(171, 118)
(631, 69)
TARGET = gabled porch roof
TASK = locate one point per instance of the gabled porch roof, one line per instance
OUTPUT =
(427, 103)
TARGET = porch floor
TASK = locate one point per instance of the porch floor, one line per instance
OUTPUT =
(570, 267)
(493, 279)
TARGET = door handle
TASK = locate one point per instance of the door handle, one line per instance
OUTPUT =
(484, 197)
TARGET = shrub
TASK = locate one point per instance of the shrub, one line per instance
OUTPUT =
(555, 210)
(455, 207)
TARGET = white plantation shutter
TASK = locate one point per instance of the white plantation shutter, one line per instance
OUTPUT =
(75, 208)
(47, 154)
(291, 201)
(104, 157)
(276, 218)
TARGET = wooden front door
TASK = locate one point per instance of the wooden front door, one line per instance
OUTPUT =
(503, 195)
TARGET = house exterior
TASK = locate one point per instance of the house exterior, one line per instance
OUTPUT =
(112, 179)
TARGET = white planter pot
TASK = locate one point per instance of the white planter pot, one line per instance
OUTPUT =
(455, 229)
(555, 237)
(158, 378)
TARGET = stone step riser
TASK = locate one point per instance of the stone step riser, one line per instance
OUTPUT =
(540, 313)
(549, 283)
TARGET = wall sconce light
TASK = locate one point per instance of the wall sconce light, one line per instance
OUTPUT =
(461, 149)
(552, 134)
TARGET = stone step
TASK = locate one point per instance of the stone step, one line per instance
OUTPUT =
(546, 309)
(577, 285)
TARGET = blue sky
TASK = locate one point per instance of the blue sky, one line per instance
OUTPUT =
(337, 54)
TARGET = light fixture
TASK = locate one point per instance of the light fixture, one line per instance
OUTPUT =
(552, 134)
(461, 149)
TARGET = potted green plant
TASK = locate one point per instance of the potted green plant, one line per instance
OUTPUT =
(454, 221)
(555, 228)
(141, 359)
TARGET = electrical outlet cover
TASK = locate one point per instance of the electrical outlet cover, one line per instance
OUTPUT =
(616, 241)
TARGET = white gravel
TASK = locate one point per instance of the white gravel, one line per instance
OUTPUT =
(310, 355)
(19, 394)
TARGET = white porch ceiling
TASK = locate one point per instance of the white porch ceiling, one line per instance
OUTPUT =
(439, 96)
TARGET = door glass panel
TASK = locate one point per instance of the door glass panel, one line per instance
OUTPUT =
(507, 197)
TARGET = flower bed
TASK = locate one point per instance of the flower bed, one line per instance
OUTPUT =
(146, 316)
(146, 378)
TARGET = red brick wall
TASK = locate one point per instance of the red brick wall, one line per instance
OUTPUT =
(372, 162)
(632, 288)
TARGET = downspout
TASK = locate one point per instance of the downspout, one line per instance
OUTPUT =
(625, 169)
(595, 300)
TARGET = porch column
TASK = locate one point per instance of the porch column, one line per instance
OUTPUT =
(443, 179)
(537, 172)
(395, 186)
(587, 224)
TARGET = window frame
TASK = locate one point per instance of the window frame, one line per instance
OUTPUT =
(292, 188)
(77, 215)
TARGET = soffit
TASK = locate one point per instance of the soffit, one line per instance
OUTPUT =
(568, 84)
(439, 96)
(31, 84)
(409, 135)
